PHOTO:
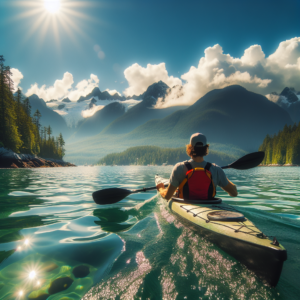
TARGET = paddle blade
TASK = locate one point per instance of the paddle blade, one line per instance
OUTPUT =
(110, 196)
(248, 161)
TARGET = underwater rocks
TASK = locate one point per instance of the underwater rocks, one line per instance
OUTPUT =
(10, 159)
(59, 285)
(81, 271)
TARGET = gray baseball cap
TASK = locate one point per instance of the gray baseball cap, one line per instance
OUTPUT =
(198, 138)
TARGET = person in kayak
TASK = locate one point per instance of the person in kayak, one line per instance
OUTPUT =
(196, 178)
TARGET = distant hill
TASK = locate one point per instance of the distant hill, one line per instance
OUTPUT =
(143, 112)
(49, 117)
(152, 155)
(94, 124)
(231, 115)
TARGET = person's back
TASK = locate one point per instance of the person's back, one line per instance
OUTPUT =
(197, 179)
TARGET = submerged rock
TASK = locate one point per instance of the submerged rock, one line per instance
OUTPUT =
(60, 284)
(81, 271)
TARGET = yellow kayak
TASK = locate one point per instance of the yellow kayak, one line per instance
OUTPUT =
(227, 228)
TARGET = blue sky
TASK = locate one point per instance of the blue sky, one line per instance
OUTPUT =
(137, 32)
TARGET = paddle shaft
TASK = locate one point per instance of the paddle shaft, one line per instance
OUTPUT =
(145, 189)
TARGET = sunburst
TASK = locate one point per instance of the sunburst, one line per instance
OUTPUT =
(61, 17)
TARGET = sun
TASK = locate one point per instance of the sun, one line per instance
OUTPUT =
(64, 18)
(52, 6)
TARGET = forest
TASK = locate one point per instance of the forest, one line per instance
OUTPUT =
(283, 148)
(152, 155)
(19, 131)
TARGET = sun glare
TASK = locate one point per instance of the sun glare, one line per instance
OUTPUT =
(64, 18)
(52, 6)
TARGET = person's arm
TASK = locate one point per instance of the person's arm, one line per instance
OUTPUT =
(231, 189)
(166, 193)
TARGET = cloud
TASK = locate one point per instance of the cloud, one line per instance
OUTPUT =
(112, 92)
(253, 71)
(99, 52)
(90, 112)
(16, 77)
(140, 78)
(63, 88)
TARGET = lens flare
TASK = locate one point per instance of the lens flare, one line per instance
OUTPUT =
(52, 6)
(32, 275)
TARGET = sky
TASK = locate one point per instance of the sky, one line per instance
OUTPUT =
(125, 45)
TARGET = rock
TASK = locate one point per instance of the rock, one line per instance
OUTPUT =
(81, 271)
(66, 100)
(9, 159)
(59, 285)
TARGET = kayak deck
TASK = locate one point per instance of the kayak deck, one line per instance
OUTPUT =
(241, 239)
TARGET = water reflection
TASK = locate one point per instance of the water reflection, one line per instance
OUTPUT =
(134, 248)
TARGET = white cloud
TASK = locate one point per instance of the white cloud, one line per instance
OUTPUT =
(253, 55)
(253, 71)
(112, 92)
(140, 78)
(16, 77)
(63, 88)
(90, 112)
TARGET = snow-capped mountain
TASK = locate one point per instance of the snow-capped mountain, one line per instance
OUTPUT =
(288, 99)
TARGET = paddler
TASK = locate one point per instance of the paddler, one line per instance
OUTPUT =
(196, 178)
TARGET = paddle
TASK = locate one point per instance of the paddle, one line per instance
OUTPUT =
(113, 195)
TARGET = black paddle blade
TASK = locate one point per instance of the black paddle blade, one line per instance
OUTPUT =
(248, 161)
(110, 196)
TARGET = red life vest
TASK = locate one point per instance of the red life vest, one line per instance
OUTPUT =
(198, 184)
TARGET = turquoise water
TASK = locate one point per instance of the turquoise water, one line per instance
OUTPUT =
(50, 228)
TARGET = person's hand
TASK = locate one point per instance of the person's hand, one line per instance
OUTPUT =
(160, 185)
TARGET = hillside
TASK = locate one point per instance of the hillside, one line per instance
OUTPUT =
(231, 115)
(49, 117)
(142, 112)
(95, 124)
(152, 155)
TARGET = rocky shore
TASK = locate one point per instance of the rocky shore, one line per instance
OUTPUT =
(10, 159)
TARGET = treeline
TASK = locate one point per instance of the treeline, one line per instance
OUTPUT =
(18, 130)
(152, 155)
(282, 148)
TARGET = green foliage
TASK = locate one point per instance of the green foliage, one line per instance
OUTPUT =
(18, 130)
(282, 148)
(152, 155)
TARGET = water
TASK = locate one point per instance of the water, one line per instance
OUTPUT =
(134, 249)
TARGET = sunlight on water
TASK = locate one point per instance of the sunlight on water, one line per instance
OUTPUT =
(56, 243)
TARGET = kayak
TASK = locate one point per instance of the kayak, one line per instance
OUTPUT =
(227, 228)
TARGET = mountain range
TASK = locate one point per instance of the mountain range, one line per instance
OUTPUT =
(234, 120)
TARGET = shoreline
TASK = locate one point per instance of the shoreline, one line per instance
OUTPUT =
(12, 160)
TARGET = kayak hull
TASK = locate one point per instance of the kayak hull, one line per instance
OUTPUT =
(242, 240)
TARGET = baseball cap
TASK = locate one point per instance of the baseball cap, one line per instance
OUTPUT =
(198, 138)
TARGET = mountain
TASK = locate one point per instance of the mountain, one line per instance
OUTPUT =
(49, 117)
(101, 95)
(231, 115)
(142, 112)
(289, 100)
(95, 124)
